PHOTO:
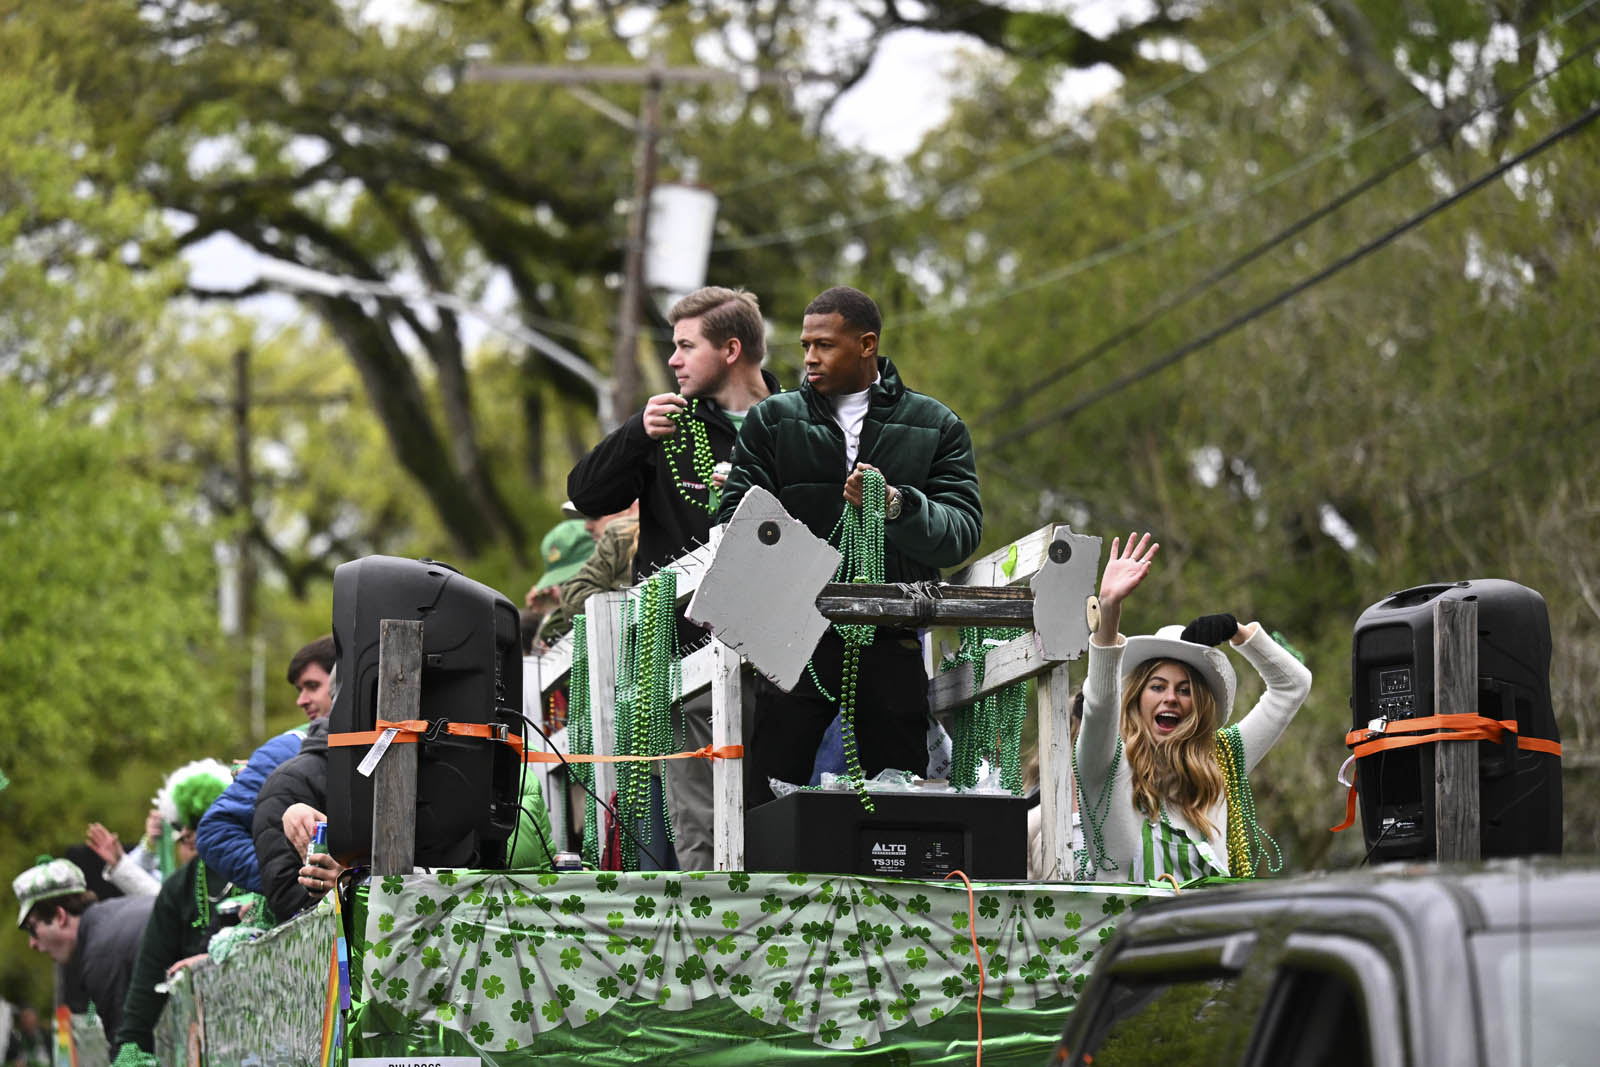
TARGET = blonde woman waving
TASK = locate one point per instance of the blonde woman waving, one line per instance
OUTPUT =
(1163, 780)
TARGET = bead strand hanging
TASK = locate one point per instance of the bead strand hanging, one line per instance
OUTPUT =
(1248, 842)
(580, 736)
(649, 687)
(991, 728)
(1093, 858)
(860, 533)
(691, 438)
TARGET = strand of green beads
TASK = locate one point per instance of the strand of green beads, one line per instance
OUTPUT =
(965, 744)
(1255, 844)
(674, 708)
(836, 537)
(691, 437)
(644, 674)
(1092, 858)
(864, 553)
(1013, 709)
(580, 736)
(658, 673)
(627, 712)
(202, 901)
(1238, 851)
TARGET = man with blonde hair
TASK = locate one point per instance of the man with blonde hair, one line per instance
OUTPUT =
(666, 457)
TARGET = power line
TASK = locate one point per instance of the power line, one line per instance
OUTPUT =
(1297, 471)
(1134, 244)
(1173, 301)
(1284, 295)
(795, 234)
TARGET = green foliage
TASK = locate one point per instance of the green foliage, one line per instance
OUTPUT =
(1420, 417)
(109, 659)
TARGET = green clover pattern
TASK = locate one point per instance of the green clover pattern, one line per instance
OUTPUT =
(871, 955)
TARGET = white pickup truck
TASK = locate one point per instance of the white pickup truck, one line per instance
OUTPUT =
(1423, 966)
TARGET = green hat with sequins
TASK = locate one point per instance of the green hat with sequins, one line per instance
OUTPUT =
(46, 880)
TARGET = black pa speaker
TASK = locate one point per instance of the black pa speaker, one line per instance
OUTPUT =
(471, 673)
(907, 835)
(1519, 790)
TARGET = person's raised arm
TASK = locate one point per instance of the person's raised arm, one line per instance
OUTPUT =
(1127, 567)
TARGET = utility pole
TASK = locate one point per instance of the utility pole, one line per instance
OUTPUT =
(647, 127)
(253, 703)
(624, 361)
(240, 402)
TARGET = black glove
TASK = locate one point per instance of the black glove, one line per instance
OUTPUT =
(1211, 629)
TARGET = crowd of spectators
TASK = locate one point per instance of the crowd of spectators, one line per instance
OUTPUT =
(220, 859)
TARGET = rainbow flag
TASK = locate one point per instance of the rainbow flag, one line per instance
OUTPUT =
(66, 1049)
(337, 1001)
(332, 1017)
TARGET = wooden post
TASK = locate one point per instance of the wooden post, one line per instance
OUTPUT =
(394, 780)
(1455, 763)
(727, 776)
(1056, 787)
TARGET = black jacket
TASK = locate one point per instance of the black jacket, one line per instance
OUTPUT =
(301, 779)
(792, 447)
(100, 969)
(630, 465)
(170, 935)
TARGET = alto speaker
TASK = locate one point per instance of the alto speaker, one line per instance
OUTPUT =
(907, 835)
(467, 788)
(1519, 791)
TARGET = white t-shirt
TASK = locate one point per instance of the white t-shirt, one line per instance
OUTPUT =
(850, 412)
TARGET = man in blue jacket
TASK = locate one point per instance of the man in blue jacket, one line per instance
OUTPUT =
(224, 838)
(811, 448)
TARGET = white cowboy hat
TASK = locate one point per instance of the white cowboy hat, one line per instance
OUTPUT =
(1212, 663)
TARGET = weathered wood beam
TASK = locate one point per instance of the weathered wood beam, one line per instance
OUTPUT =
(1457, 834)
(1015, 661)
(891, 605)
(394, 780)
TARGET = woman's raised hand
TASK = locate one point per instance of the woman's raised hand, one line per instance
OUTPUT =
(1127, 567)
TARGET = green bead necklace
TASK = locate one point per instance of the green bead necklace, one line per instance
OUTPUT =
(1093, 858)
(992, 727)
(691, 437)
(649, 687)
(859, 535)
(580, 736)
(1248, 842)
(202, 898)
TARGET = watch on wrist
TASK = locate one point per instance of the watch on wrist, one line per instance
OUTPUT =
(891, 510)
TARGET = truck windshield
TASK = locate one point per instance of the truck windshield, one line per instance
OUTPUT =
(1538, 996)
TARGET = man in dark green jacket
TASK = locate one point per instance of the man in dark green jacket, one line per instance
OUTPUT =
(809, 448)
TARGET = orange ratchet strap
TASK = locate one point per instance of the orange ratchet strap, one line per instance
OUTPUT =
(1366, 742)
(409, 731)
(704, 752)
